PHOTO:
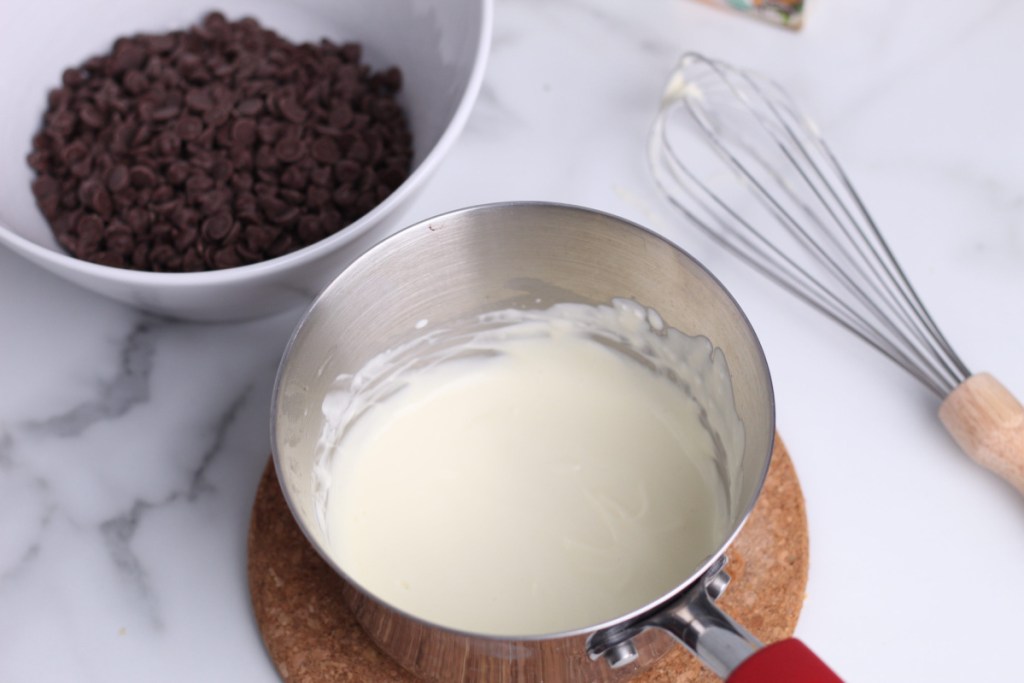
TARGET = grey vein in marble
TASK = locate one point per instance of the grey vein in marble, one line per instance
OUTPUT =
(116, 396)
(6, 450)
(119, 532)
(198, 484)
(127, 389)
(20, 563)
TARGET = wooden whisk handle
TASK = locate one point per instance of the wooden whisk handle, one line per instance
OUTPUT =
(987, 422)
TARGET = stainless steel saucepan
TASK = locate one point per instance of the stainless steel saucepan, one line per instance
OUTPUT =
(532, 255)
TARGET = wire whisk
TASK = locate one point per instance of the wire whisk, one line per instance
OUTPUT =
(736, 156)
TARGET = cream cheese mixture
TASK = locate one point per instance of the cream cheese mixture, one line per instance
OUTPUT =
(528, 477)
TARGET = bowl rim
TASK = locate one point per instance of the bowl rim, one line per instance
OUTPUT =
(311, 252)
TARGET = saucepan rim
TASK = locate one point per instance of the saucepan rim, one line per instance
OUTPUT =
(633, 616)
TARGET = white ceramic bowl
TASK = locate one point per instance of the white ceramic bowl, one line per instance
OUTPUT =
(440, 45)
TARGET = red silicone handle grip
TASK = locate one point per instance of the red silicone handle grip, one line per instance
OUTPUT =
(787, 661)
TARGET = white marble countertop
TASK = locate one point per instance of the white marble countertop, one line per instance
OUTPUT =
(130, 447)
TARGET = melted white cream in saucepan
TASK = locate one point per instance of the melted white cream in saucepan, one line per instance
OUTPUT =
(528, 477)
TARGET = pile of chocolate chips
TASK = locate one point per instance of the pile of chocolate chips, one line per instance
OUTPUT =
(215, 147)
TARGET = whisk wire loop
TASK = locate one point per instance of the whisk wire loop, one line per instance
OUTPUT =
(799, 221)
(871, 262)
(797, 280)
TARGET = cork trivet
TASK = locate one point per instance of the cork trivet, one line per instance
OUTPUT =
(312, 637)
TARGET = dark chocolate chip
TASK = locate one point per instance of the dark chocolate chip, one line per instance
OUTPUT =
(268, 130)
(295, 177)
(325, 150)
(203, 159)
(107, 258)
(75, 151)
(169, 144)
(249, 107)
(346, 171)
(185, 237)
(135, 82)
(198, 99)
(177, 172)
(222, 170)
(142, 176)
(100, 201)
(259, 237)
(192, 262)
(90, 233)
(120, 238)
(226, 258)
(45, 186)
(359, 152)
(163, 258)
(127, 55)
(242, 160)
(289, 150)
(243, 132)
(166, 112)
(292, 110)
(310, 230)
(189, 128)
(344, 197)
(91, 116)
(216, 227)
(282, 245)
(214, 201)
(317, 196)
(293, 197)
(72, 78)
(340, 116)
(218, 115)
(265, 157)
(161, 44)
(352, 52)
(198, 182)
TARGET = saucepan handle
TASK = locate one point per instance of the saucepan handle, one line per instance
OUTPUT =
(788, 661)
(727, 648)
